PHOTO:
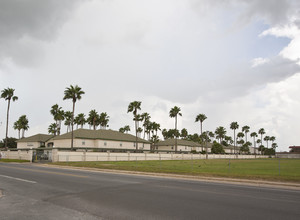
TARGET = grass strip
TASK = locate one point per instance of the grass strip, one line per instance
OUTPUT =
(287, 170)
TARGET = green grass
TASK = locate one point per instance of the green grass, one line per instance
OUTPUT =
(14, 160)
(263, 169)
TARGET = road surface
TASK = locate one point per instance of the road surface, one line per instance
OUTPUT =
(34, 192)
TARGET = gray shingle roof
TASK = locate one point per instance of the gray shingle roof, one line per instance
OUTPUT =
(171, 142)
(36, 138)
(100, 134)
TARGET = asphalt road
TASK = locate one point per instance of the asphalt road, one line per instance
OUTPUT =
(34, 192)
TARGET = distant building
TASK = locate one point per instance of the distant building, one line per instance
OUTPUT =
(295, 149)
(35, 141)
(108, 139)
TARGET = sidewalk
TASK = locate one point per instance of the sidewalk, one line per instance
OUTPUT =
(236, 181)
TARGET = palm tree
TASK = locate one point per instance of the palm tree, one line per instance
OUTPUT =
(18, 126)
(58, 115)
(103, 119)
(146, 118)
(93, 118)
(68, 121)
(254, 135)
(24, 124)
(80, 120)
(134, 107)
(234, 126)
(8, 94)
(245, 129)
(220, 133)
(126, 128)
(52, 129)
(261, 132)
(74, 93)
(200, 118)
(266, 139)
(174, 112)
(272, 138)
(139, 130)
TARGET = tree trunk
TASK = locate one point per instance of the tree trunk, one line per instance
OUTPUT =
(72, 122)
(8, 105)
(136, 141)
(175, 133)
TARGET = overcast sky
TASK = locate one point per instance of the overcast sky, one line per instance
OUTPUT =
(233, 60)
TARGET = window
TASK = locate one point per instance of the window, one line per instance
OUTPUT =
(29, 144)
(105, 144)
(83, 142)
(172, 147)
(120, 144)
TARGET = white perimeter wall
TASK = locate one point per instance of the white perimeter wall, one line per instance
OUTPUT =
(67, 156)
(19, 155)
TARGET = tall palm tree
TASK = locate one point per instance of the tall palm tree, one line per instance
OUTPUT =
(272, 138)
(134, 107)
(220, 133)
(68, 121)
(174, 112)
(103, 120)
(146, 120)
(234, 126)
(58, 115)
(93, 118)
(261, 131)
(24, 124)
(201, 118)
(52, 129)
(245, 129)
(254, 135)
(74, 93)
(80, 120)
(266, 139)
(8, 94)
(18, 126)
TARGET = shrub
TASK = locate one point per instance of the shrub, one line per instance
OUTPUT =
(217, 148)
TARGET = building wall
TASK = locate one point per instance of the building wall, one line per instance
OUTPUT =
(28, 145)
(172, 148)
(88, 143)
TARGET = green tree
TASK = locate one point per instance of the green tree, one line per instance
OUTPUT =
(217, 148)
(68, 121)
(245, 129)
(146, 120)
(266, 139)
(220, 133)
(103, 120)
(24, 124)
(74, 93)
(174, 112)
(58, 115)
(52, 129)
(93, 118)
(234, 126)
(261, 131)
(254, 135)
(8, 95)
(200, 118)
(18, 126)
(80, 120)
(134, 107)
(184, 133)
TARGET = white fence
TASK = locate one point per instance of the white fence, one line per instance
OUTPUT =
(19, 155)
(67, 156)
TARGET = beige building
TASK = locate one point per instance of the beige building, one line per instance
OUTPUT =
(106, 139)
(34, 141)
(182, 145)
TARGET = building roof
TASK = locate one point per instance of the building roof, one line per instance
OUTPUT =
(294, 147)
(36, 138)
(171, 142)
(101, 134)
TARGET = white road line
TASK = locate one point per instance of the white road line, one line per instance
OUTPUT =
(10, 177)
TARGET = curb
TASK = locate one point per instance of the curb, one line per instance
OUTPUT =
(245, 182)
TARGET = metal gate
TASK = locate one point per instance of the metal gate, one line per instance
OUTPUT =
(42, 156)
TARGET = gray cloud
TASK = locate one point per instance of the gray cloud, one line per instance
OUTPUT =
(22, 23)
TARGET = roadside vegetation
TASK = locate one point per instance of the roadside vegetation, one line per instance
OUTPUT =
(13, 161)
(259, 169)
